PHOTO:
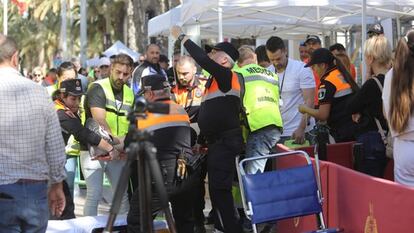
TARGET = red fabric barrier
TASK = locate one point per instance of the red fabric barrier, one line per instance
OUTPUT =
(339, 153)
(361, 203)
(356, 202)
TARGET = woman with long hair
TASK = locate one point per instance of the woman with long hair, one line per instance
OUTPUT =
(366, 106)
(335, 90)
(398, 99)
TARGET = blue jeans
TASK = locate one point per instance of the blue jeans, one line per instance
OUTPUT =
(93, 171)
(373, 157)
(70, 168)
(260, 143)
(23, 208)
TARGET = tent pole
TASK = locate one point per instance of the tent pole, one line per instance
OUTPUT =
(5, 8)
(398, 22)
(364, 38)
(220, 24)
(83, 32)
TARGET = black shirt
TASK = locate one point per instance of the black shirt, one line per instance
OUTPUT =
(339, 119)
(368, 103)
(219, 114)
(73, 126)
(95, 97)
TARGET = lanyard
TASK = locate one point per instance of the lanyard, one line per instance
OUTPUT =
(283, 80)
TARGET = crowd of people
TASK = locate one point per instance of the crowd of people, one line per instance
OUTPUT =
(224, 102)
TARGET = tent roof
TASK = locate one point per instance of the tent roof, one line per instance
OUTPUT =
(289, 18)
(118, 47)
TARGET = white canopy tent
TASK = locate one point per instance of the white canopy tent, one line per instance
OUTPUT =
(118, 47)
(294, 15)
(290, 19)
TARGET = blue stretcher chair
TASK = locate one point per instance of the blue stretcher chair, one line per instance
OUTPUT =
(282, 194)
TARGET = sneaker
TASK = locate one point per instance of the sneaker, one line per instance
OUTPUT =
(217, 231)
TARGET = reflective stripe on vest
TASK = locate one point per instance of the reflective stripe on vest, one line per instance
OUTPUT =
(177, 117)
(116, 117)
(214, 92)
(342, 87)
(188, 97)
(260, 97)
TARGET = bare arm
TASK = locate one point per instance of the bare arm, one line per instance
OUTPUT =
(99, 114)
(299, 134)
(321, 114)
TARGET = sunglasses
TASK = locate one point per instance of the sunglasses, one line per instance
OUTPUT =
(104, 66)
(37, 75)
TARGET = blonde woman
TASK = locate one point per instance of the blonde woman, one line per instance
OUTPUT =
(398, 101)
(366, 106)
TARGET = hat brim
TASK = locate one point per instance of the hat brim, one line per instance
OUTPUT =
(309, 64)
(75, 93)
(312, 39)
(208, 48)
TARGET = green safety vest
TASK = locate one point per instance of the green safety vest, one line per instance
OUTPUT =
(117, 117)
(260, 97)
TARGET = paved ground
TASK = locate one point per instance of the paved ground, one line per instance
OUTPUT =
(104, 205)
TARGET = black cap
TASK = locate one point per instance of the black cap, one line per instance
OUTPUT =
(375, 29)
(228, 48)
(154, 82)
(208, 48)
(72, 87)
(164, 58)
(321, 55)
(312, 38)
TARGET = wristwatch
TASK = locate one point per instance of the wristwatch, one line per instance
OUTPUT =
(181, 37)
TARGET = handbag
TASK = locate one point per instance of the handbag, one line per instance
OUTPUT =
(386, 136)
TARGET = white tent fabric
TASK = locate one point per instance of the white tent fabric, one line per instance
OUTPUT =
(286, 17)
(93, 62)
(118, 47)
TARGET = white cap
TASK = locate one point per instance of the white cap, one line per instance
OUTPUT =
(104, 61)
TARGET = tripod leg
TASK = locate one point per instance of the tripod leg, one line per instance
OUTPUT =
(120, 189)
(150, 153)
(147, 200)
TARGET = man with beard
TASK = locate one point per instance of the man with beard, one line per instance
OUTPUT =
(296, 86)
(150, 66)
(108, 102)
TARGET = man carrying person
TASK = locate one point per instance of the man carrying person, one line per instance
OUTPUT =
(32, 151)
(296, 86)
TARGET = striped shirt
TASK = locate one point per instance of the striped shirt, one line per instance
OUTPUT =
(31, 143)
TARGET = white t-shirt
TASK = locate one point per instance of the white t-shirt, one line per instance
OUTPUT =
(291, 82)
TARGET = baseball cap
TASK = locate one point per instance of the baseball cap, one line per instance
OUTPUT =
(154, 82)
(312, 38)
(208, 48)
(375, 29)
(72, 87)
(228, 48)
(104, 61)
(321, 55)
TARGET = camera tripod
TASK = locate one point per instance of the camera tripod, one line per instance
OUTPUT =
(144, 152)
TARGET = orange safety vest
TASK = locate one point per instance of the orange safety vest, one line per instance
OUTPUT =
(342, 87)
(212, 91)
(177, 117)
(192, 96)
(60, 106)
